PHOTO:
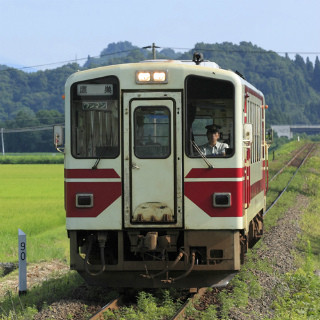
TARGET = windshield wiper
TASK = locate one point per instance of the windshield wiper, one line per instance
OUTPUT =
(100, 154)
(201, 154)
(95, 166)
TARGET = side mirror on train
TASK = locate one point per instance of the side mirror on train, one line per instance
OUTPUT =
(58, 137)
(247, 132)
(269, 135)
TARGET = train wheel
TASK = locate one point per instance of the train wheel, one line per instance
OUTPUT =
(243, 247)
(255, 229)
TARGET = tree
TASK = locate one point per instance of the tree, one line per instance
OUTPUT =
(291, 87)
(316, 75)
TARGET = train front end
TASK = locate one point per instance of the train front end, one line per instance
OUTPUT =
(145, 207)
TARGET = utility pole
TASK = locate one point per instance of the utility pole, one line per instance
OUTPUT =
(2, 141)
(153, 47)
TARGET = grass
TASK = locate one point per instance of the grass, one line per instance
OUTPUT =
(25, 307)
(43, 199)
(283, 155)
(149, 307)
(298, 298)
(310, 220)
(301, 299)
(32, 200)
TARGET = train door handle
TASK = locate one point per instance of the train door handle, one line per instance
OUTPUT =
(134, 166)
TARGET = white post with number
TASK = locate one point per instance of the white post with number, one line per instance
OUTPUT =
(22, 262)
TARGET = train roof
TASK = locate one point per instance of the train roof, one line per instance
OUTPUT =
(206, 64)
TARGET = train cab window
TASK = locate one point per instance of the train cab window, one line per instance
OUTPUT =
(152, 132)
(95, 118)
(210, 102)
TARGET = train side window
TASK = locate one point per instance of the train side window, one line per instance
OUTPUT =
(255, 117)
(209, 102)
(152, 132)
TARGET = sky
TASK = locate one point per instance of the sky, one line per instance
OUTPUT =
(43, 32)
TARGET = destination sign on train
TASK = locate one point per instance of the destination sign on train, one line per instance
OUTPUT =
(95, 89)
(101, 106)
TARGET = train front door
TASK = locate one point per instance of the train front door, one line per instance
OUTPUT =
(152, 160)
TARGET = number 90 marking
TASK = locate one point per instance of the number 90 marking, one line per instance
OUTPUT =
(22, 253)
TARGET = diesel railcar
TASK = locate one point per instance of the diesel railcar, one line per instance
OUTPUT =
(145, 206)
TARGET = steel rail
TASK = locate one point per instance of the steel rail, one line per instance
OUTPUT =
(289, 162)
(196, 296)
(180, 313)
(113, 304)
(285, 189)
(193, 297)
(118, 302)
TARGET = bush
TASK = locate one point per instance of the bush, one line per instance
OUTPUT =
(54, 158)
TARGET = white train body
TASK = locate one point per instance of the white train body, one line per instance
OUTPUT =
(143, 207)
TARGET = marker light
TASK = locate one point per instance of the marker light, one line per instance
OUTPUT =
(151, 77)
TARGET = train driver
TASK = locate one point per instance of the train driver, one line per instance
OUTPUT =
(214, 147)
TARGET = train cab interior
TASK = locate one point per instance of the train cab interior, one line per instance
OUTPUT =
(209, 102)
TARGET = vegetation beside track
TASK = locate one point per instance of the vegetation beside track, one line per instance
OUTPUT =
(302, 298)
(299, 295)
(25, 307)
(32, 158)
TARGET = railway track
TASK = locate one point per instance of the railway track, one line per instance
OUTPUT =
(193, 297)
(297, 160)
(291, 161)
(113, 304)
(308, 148)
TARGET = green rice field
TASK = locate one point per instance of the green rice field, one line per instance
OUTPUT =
(31, 198)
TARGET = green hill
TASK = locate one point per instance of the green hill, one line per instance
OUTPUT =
(291, 87)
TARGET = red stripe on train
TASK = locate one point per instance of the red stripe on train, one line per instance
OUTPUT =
(104, 194)
(200, 193)
(216, 173)
(89, 173)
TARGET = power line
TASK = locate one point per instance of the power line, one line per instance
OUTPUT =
(262, 51)
(29, 129)
(248, 51)
(70, 61)
(33, 119)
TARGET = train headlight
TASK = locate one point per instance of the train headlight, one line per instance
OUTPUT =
(221, 200)
(84, 200)
(151, 77)
(159, 76)
(143, 77)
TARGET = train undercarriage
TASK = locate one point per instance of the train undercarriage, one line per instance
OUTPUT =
(161, 258)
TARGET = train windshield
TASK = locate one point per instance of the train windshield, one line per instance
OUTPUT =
(95, 118)
(152, 132)
(210, 112)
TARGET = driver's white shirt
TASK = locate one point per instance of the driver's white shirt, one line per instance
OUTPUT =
(217, 149)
